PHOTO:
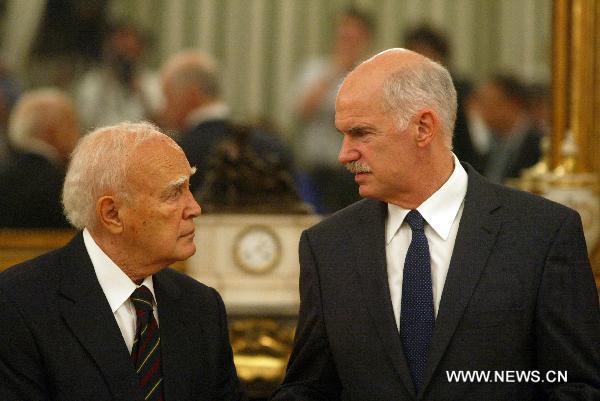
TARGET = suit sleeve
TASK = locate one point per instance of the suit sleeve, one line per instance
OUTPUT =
(568, 318)
(228, 387)
(21, 374)
(311, 373)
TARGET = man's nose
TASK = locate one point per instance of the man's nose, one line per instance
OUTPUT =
(193, 209)
(347, 152)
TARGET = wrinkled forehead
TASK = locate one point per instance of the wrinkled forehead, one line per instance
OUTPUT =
(157, 158)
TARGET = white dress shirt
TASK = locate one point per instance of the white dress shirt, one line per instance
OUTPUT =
(442, 212)
(117, 287)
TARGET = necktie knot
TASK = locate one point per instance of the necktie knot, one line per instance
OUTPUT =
(415, 220)
(142, 299)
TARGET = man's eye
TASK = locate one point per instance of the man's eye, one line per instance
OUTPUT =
(174, 194)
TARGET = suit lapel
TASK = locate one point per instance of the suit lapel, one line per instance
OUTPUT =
(474, 241)
(176, 344)
(87, 312)
(370, 261)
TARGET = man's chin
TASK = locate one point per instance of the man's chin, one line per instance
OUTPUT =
(186, 252)
(363, 191)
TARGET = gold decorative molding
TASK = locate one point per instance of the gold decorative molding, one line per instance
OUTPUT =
(261, 347)
(19, 245)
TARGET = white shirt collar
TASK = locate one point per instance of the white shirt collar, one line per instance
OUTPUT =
(117, 286)
(439, 210)
(213, 111)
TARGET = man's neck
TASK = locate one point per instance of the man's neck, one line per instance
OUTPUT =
(428, 181)
(127, 261)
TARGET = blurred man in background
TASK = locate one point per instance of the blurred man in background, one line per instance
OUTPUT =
(121, 88)
(314, 106)
(10, 90)
(200, 118)
(433, 44)
(43, 130)
(515, 144)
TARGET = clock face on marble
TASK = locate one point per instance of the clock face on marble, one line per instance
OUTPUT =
(257, 249)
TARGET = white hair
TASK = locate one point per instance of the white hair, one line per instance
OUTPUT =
(99, 166)
(35, 113)
(413, 88)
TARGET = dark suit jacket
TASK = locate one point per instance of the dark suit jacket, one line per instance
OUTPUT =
(30, 192)
(526, 155)
(519, 296)
(59, 339)
(200, 142)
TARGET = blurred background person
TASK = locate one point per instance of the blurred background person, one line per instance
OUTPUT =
(318, 141)
(515, 143)
(43, 130)
(433, 44)
(201, 119)
(121, 88)
(540, 107)
(10, 90)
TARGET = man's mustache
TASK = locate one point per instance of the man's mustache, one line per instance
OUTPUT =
(356, 167)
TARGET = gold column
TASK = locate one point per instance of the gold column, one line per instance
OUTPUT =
(576, 107)
(561, 16)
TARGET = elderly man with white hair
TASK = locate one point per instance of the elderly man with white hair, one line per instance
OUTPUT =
(43, 130)
(104, 318)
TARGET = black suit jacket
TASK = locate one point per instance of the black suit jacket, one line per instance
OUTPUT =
(30, 192)
(519, 296)
(59, 339)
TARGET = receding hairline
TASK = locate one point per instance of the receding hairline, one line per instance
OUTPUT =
(381, 67)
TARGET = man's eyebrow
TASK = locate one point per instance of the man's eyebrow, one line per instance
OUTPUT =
(359, 130)
(178, 183)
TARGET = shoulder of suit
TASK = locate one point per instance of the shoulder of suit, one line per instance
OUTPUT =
(526, 204)
(197, 296)
(186, 282)
(31, 281)
(349, 217)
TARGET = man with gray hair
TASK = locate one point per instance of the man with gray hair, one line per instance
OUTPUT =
(43, 130)
(195, 109)
(104, 317)
(442, 286)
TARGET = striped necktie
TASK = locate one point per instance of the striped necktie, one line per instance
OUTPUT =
(416, 314)
(146, 346)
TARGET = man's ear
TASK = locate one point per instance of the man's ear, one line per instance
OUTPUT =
(427, 126)
(107, 211)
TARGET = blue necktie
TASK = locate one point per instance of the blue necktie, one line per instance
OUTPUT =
(416, 316)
